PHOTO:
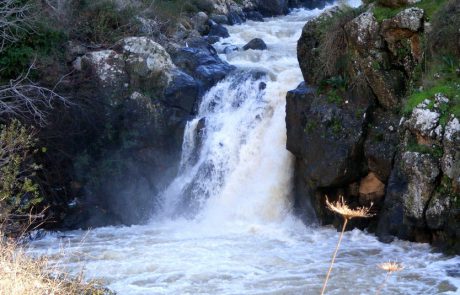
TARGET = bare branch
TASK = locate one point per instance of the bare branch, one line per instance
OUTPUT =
(22, 98)
(15, 19)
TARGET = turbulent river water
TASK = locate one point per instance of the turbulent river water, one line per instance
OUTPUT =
(237, 178)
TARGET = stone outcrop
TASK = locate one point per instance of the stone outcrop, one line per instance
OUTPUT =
(255, 44)
(345, 129)
(146, 97)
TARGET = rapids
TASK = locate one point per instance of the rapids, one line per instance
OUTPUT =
(225, 225)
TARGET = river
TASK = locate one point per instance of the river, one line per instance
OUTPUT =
(226, 224)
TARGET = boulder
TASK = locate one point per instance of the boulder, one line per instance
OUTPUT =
(403, 26)
(327, 136)
(202, 64)
(255, 44)
(421, 171)
(254, 16)
(200, 22)
(148, 64)
(272, 7)
(363, 33)
(109, 68)
(218, 30)
(183, 92)
(220, 18)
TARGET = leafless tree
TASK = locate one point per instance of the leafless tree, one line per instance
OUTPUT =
(15, 19)
(23, 98)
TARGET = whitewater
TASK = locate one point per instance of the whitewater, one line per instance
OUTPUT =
(225, 224)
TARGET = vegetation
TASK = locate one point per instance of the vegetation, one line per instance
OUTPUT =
(341, 208)
(18, 190)
(20, 274)
(430, 7)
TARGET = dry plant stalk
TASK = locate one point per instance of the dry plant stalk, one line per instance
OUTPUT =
(21, 274)
(341, 208)
(390, 268)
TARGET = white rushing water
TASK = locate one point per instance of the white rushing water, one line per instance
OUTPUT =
(236, 179)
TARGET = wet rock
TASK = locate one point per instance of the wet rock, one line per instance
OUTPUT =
(182, 92)
(202, 64)
(371, 190)
(255, 44)
(272, 7)
(219, 18)
(327, 137)
(255, 16)
(235, 18)
(218, 30)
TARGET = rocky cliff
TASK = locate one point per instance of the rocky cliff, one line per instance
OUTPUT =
(377, 118)
(139, 90)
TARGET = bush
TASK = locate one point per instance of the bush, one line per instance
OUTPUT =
(18, 191)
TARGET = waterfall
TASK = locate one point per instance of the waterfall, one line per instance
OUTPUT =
(236, 163)
(233, 187)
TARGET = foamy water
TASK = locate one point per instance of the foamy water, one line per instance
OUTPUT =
(234, 187)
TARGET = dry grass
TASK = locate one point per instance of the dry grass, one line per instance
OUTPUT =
(20, 274)
(390, 268)
(341, 208)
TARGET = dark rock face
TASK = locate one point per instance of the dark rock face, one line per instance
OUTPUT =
(182, 92)
(272, 7)
(202, 64)
(327, 138)
(345, 128)
(255, 16)
(255, 44)
(146, 98)
(218, 30)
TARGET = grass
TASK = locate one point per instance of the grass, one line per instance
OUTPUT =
(429, 6)
(440, 77)
(20, 274)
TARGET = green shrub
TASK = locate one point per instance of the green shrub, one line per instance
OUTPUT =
(18, 190)
(102, 22)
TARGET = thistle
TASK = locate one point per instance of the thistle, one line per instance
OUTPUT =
(390, 268)
(341, 208)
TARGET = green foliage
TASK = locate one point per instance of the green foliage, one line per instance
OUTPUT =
(440, 77)
(435, 150)
(335, 125)
(429, 6)
(102, 22)
(382, 12)
(44, 41)
(310, 126)
(18, 190)
(445, 188)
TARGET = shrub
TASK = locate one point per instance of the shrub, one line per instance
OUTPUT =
(18, 190)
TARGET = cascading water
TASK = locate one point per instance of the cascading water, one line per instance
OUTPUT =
(235, 181)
